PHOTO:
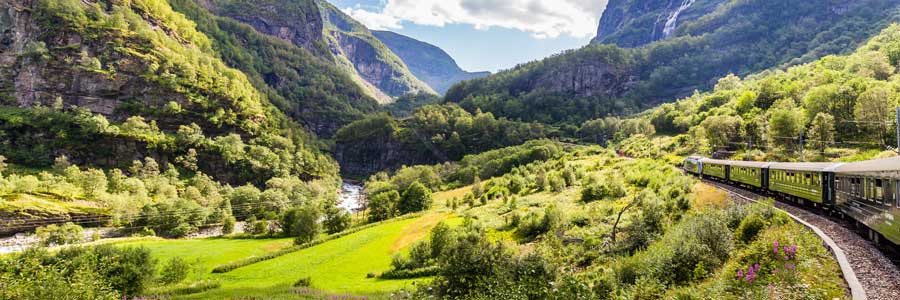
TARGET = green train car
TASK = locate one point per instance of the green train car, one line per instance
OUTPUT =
(869, 192)
(715, 168)
(807, 181)
(693, 164)
(749, 173)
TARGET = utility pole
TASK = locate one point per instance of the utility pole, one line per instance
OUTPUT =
(898, 129)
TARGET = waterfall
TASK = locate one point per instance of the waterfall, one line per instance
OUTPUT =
(673, 18)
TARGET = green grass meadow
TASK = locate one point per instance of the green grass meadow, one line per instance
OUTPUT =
(337, 268)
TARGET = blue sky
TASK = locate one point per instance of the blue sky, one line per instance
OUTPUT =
(485, 35)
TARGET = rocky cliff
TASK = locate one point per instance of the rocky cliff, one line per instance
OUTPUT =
(427, 62)
(295, 21)
(107, 83)
(630, 23)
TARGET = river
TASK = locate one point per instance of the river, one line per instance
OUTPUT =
(350, 197)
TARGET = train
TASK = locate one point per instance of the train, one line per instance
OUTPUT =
(868, 192)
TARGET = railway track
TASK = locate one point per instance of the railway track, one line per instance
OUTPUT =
(876, 267)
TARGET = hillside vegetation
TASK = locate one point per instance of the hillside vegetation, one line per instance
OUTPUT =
(835, 103)
(739, 36)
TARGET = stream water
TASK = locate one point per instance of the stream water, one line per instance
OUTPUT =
(350, 197)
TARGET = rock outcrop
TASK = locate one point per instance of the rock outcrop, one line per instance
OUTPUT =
(637, 23)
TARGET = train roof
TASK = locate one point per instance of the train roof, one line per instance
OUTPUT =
(715, 161)
(805, 166)
(751, 164)
(876, 165)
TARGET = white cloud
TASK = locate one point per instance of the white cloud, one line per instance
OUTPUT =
(374, 21)
(541, 18)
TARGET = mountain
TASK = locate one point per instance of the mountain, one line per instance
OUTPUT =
(363, 55)
(426, 61)
(637, 23)
(738, 36)
(286, 60)
(329, 34)
(109, 83)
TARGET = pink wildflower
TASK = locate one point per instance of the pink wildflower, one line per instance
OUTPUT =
(775, 247)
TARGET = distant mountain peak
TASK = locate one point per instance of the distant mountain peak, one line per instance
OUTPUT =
(428, 62)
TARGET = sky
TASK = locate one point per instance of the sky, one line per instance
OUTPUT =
(485, 35)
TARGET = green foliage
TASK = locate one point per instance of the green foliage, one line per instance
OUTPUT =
(383, 206)
(303, 282)
(175, 271)
(336, 220)
(702, 48)
(415, 198)
(228, 225)
(598, 188)
(53, 235)
(702, 238)
(433, 133)
(28, 276)
(535, 224)
(301, 223)
(836, 101)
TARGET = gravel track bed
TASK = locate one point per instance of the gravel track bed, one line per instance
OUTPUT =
(875, 266)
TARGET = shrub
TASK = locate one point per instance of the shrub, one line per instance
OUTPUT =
(303, 282)
(258, 227)
(29, 275)
(336, 220)
(535, 224)
(302, 223)
(749, 228)
(597, 188)
(228, 225)
(175, 271)
(415, 198)
(383, 206)
(410, 273)
(53, 235)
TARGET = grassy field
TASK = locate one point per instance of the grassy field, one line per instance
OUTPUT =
(338, 267)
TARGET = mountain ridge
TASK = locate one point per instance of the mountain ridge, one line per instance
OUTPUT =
(427, 62)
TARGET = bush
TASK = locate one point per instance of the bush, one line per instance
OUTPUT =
(175, 271)
(258, 227)
(749, 228)
(302, 223)
(415, 198)
(228, 225)
(410, 273)
(597, 188)
(383, 206)
(29, 275)
(336, 220)
(53, 235)
(303, 282)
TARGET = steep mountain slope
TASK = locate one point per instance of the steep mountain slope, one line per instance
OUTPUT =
(426, 61)
(741, 37)
(633, 23)
(108, 83)
(286, 60)
(836, 102)
(363, 55)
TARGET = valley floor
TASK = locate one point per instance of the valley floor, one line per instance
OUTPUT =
(338, 267)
